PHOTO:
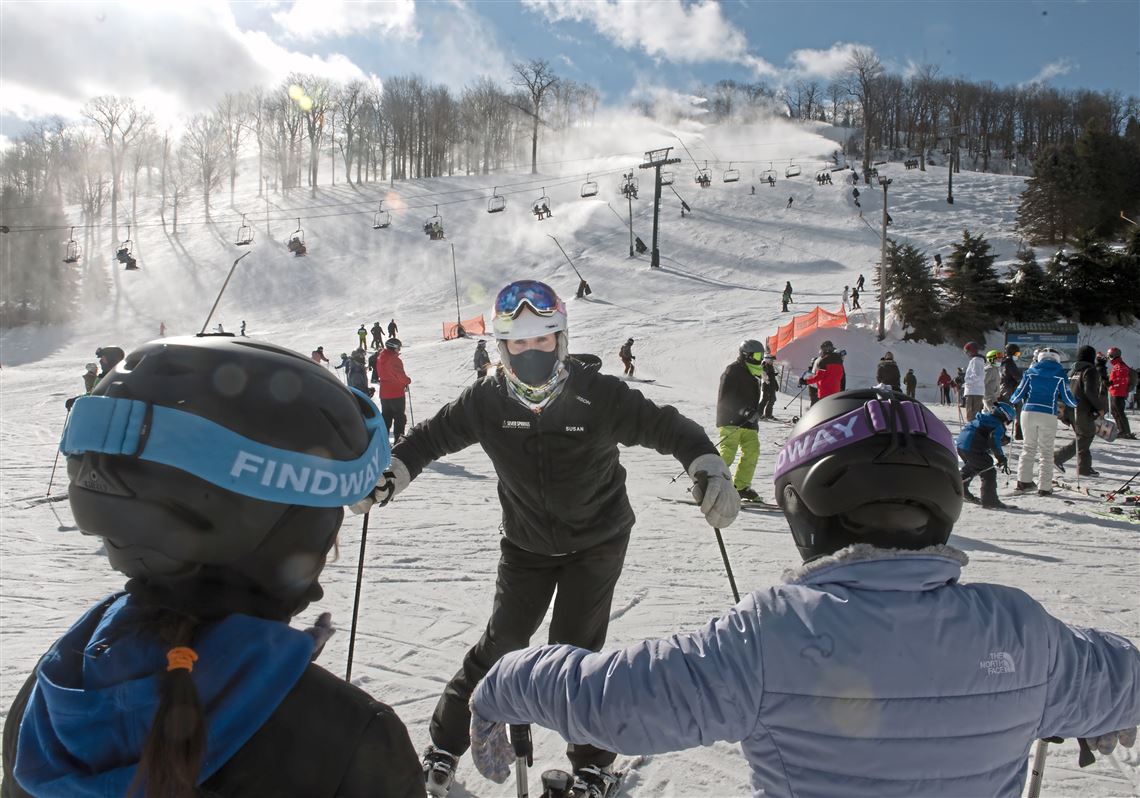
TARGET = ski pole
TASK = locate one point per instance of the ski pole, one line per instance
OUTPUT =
(1110, 496)
(411, 415)
(356, 599)
(794, 398)
(524, 756)
(55, 462)
(1037, 769)
(727, 566)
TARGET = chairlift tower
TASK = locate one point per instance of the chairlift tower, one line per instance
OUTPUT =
(655, 159)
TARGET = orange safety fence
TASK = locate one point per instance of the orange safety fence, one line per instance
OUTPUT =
(805, 324)
(475, 326)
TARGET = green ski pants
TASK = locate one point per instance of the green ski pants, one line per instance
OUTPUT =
(748, 442)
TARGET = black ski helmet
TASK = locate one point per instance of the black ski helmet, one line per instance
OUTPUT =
(750, 348)
(221, 460)
(868, 466)
(1012, 350)
(826, 348)
(394, 343)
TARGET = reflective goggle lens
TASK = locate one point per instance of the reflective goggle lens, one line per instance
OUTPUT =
(538, 296)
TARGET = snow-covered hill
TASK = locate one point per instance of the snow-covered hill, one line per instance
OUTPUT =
(432, 554)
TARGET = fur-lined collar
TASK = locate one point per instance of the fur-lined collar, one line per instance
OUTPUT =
(865, 551)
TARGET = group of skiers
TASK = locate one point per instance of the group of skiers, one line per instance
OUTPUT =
(377, 334)
(192, 681)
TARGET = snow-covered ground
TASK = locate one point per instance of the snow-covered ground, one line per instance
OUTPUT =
(431, 555)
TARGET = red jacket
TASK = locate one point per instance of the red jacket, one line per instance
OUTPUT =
(828, 376)
(390, 369)
(1118, 378)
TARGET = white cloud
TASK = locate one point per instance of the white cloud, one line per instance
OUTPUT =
(827, 64)
(666, 29)
(463, 46)
(311, 20)
(1062, 66)
(173, 59)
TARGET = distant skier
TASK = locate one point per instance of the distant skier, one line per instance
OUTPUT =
(345, 363)
(859, 283)
(242, 333)
(945, 381)
(362, 334)
(843, 300)
(625, 354)
(392, 329)
(790, 201)
(738, 414)
(768, 387)
(162, 329)
(937, 265)
(377, 335)
(1119, 381)
(855, 299)
(828, 376)
(90, 377)
(977, 439)
(355, 370)
(482, 359)
(796, 674)
(318, 356)
(394, 382)
(786, 297)
(373, 365)
(975, 383)
(1043, 386)
(910, 382)
(888, 372)
(754, 191)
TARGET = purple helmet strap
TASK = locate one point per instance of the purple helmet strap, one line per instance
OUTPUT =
(876, 417)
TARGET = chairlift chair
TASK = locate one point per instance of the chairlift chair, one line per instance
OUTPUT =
(629, 185)
(590, 187)
(666, 178)
(704, 176)
(792, 170)
(541, 206)
(382, 218)
(768, 175)
(71, 254)
(244, 234)
(123, 253)
(497, 203)
(434, 226)
(731, 175)
(296, 243)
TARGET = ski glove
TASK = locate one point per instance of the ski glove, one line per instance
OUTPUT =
(1003, 465)
(712, 488)
(391, 485)
(491, 751)
(321, 631)
(1106, 743)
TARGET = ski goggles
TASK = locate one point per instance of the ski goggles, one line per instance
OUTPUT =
(876, 417)
(222, 457)
(537, 296)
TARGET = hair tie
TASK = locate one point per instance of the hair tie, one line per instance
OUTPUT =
(181, 658)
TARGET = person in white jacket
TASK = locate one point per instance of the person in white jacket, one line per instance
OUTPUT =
(871, 671)
(974, 389)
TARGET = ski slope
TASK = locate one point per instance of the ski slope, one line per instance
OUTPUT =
(431, 555)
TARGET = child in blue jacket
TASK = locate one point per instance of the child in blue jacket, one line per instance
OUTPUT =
(975, 442)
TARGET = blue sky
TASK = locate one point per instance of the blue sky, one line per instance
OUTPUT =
(183, 55)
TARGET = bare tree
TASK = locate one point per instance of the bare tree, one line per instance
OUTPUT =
(863, 72)
(536, 77)
(232, 113)
(349, 107)
(121, 123)
(315, 104)
(203, 148)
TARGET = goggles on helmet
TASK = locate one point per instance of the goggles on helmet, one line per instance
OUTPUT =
(220, 456)
(539, 297)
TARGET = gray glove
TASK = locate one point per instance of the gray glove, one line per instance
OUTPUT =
(491, 750)
(1106, 743)
(712, 487)
(391, 484)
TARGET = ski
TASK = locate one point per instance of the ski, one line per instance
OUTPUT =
(745, 504)
(561, 784)
(44, 500)
(1131, 515)
(636, 379)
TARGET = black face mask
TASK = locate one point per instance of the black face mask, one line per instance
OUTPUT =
(533, 366)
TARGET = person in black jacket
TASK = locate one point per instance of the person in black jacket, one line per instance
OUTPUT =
(768, 387)
(738, 415)
(551, 428)
(191, 680)
(1084, 381)
(888, 372)
(109, 357)
(482, 359)
(1010, 379)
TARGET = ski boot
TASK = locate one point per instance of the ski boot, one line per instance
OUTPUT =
(439, 771)
(595, 782)
(969, 497)
(557, 784)
(1023, 487)
(748, 495)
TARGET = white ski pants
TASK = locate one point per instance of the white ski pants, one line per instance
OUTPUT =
(1039, 430)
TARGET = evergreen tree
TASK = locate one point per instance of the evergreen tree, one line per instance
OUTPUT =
(1032, 296)
(976, 299)
(1110, 174)
(912, 293)
(1050, 209)
(1086, 279)
(1123, 301)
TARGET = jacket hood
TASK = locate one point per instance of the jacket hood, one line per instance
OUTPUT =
(872, 568)
(1086, 354)
(96, 693)
(1048, 368)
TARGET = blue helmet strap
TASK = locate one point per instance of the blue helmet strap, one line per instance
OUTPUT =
(220, 456)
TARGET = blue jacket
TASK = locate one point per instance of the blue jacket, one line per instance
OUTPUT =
(871, 673)
(97, 691)
(1041, 386)
(982, 434)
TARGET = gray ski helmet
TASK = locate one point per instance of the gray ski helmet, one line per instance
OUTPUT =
(163, 525)
(751, 349)
(826, 348)
(394, 343)
(868, 466)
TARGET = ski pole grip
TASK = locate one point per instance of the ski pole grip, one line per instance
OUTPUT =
(520, 740)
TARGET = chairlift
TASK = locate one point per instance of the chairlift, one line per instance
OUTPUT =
(123, 253)
(541, 206)
(629, 186)
(71, 255)
(382, 218)
(497, 203)
(769, 175)
(433, 227)
(792, 170)
(244, 234)
(296, 243)
(590, 187)
(703, 177)
(666, 178)
(731, 175)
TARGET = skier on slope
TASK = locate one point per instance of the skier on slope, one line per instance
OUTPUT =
(482, 360)
(786, 297)
(887, 372)
(738, 414)
(1084, 382)
(191, 681)
(625, 354)
(977, 439)
(318, 356)
(392, 328)
(355, 371)
(544, 417)
(974, 385)
(377, 335)
(362, 334)
(1043, 386)
(394, 382)
(911, 383)
(827, 376)
(1119, 381)
(768, 387)
(992, 379)
(842, 680)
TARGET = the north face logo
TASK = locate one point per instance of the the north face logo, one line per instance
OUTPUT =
(998, 662)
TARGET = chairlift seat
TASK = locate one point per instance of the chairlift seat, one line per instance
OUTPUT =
(792, 170)
(497, 204)
(731, 176)
(589, 189)
(666, 178)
